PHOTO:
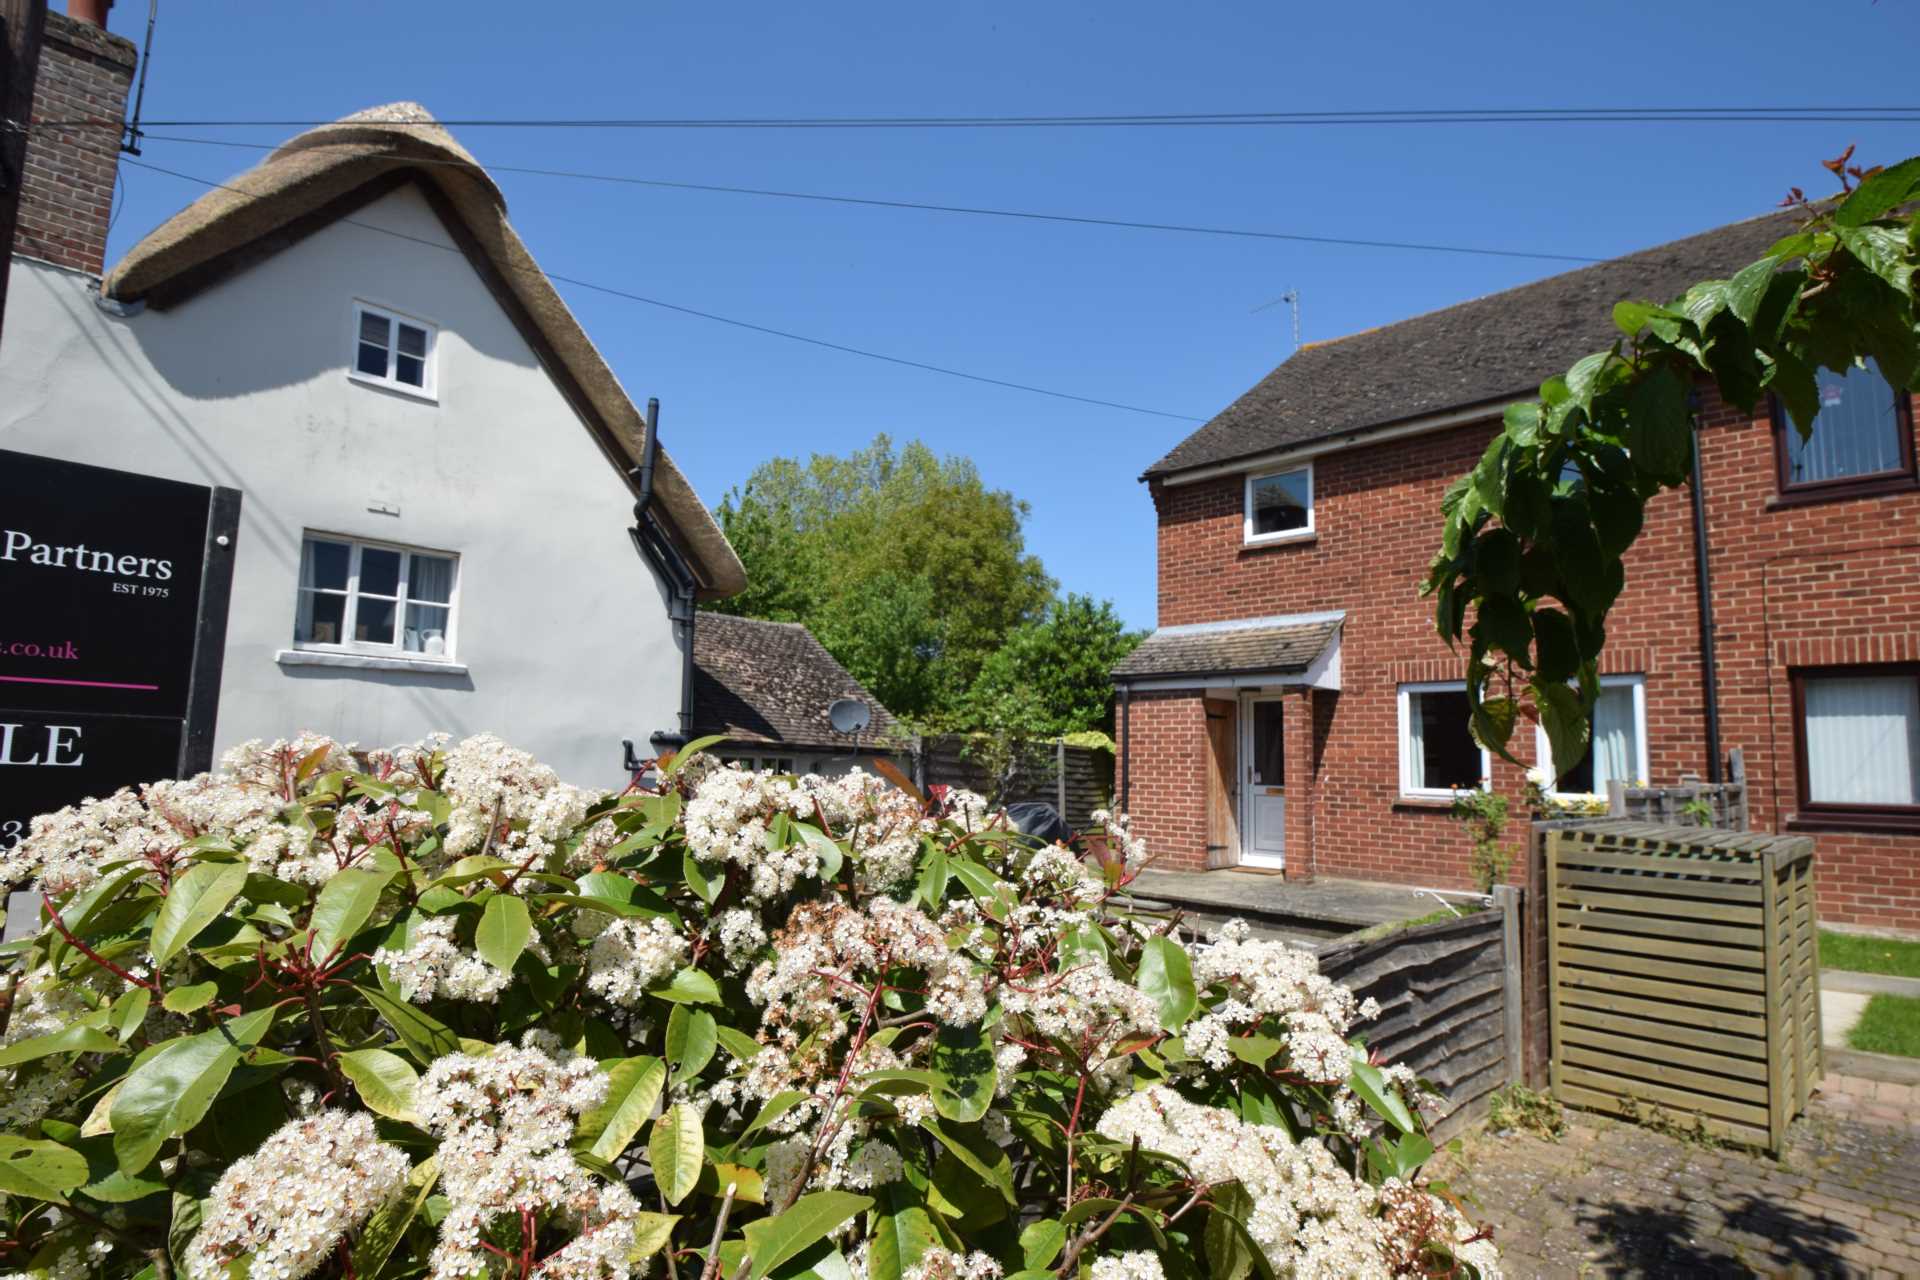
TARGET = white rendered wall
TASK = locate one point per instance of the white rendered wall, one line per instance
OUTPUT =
(562, 626)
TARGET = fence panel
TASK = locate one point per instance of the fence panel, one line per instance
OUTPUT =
(1074, 780)
(1443, 991)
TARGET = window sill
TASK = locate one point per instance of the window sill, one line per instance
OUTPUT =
(368, 662)
(1864, 823)
(1442, 804)
(1280, 540)
(1878, 488)
(397, 388)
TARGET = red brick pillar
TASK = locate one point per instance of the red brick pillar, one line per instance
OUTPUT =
(1302, 777)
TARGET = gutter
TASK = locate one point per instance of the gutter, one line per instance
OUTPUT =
(649, 534)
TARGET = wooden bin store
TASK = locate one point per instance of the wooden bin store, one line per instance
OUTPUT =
(1685, 975)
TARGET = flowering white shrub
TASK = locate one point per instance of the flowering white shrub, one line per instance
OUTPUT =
(432, 1012)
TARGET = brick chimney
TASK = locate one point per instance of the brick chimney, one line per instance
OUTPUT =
(66, 200)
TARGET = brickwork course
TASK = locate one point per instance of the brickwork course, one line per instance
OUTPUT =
(79, 102)
(1613, 1199)
(1795, 583)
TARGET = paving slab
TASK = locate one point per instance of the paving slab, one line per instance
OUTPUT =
(1839, 1010)
(1612, 1199)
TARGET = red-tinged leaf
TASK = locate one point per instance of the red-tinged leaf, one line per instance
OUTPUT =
(891, 772)
(1133, 1044)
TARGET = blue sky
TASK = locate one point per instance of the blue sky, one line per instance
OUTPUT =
(1151, 319)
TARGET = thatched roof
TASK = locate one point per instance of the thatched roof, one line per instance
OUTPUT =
(320, 176)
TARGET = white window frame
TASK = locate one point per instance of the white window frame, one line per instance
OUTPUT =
(1543, 749)
(1252, 539)
(430, 370)
(1407, 789)
(397, 648)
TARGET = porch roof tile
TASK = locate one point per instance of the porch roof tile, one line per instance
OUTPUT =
(1279, 645)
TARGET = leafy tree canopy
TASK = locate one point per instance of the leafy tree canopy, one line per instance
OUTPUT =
(905, 565)
(1052, 677)
(1531, 556)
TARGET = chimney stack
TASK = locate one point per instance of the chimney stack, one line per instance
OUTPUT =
(66, 200)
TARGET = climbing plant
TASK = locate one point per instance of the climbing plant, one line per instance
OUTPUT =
(1531, 558)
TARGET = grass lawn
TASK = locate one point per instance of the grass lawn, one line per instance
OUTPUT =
(1891, 1024)
(1869, 955)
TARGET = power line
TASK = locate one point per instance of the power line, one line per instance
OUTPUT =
(1029, 215)
(1229, 119)
(720, 319)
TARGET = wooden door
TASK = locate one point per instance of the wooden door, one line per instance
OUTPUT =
(1223, 783)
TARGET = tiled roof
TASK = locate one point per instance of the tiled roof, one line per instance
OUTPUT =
(1278, 645)
(1484, 352)
(773, 682)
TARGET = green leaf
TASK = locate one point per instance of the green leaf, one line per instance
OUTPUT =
(691, 1040)
(1254, 1050)
(1883, 192)
(1631, 317)
(129, 1013)
(75, 1039)
(503, 931)
(823, 848)
(972, 1149)
(344, 905)
(1565, 722)
(1492, 723)
(198, 897)
(1230, 1253)
(698, 878)
(677, 1150)
(1883, 251)
(651, 1232)
(1042, 1242)
(1660, 426)
(170, 1092)
(1370, 1086)
(634, 1085)
(1583, 378)
(190, 999)
(932, 886)
(1166, 976)
(772, 1241)
(737, 1042)
(1554, 645)
(1522, 423)
(40, 1170)
(689, 986)
(385, 1082)
(776, 1106)
(962, 1058)
(902, 1234)
(1503, 623)
(390, 1221)
(1748, 287)
(425, 1038)
(684, 756)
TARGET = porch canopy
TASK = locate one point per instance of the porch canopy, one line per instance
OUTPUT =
(1300, 648)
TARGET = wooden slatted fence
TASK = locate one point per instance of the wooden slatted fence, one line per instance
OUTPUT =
(1444, 992)
(1684, 975)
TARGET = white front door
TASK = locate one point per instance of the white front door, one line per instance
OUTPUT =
(1263, 822)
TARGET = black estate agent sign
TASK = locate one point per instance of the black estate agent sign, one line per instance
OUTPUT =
(101, 578)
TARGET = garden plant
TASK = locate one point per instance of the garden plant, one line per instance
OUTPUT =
(432, 1012)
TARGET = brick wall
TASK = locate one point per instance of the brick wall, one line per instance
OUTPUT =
(1788, 579)
(66, 201)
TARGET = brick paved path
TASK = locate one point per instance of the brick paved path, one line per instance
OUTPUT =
(1612, 1199)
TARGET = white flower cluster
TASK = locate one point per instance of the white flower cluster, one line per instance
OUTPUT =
(740, 937)
(1129, 849)
(1272, 979)
(631, 955)
(1085, 1005)
(1137, 1265)
(504, 800)
(433, 964)
(730, 817)
(799, 988)
(943, 1264)
(504, 1122)
(287, 1205)
(1310, 1216)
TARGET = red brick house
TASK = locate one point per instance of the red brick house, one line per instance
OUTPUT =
(1296, 711)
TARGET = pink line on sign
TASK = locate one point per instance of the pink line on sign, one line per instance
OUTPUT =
(90, 684)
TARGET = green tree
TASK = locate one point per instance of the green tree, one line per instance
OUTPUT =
(1534, 536)
(905, 565)
(1052, 676)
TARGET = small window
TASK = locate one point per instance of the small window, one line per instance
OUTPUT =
(363, 597)
(1438, 754)
(392, 350)
(1616, 745)
(772, 764)
(1858, 739)
(1280, 505)
(1862, 435)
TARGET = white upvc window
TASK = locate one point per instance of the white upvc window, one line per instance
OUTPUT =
(1616, 746)
(775, 764)
(376, 598)
(1279, 505)
(393, 350)
(1439, 758)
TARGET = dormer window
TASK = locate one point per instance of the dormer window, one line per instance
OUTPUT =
(393, 350)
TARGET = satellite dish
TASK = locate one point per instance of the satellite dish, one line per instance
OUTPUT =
(848, 715)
